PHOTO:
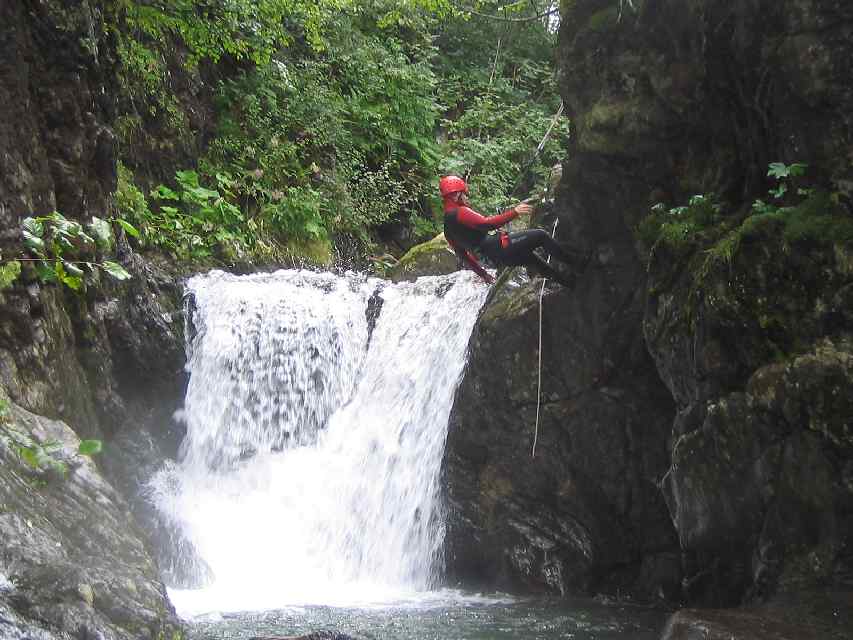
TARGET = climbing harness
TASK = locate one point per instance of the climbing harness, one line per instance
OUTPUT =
(507, 272)
(539, 377)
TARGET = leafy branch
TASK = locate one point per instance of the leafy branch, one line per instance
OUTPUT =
(57, 241)
(513, 6)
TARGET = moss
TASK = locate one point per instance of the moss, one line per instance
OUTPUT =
(725, 250)
(604, 19)
(317, 252)
(607, 115)
(130, 201)
(436, 244)
(820, 221)
(567, 8)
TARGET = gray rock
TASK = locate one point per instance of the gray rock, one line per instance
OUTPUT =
(72, 551)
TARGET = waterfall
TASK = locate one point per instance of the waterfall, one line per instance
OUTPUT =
(310, 468)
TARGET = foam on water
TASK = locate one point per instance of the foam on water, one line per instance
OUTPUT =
(310, 469)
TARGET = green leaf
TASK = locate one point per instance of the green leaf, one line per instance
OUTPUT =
(33, 243)
(162, 192)
(780, 191)
(116, 270)
(32, 226)
(187, 179)
(313, 229)
(29, 455)
(8, 274)
(90, 447)
(73, 270)
(129, 229)
(74, 283)
(62, 243)
(797, 169)
(201, 194)
(45, 272)
(777, 170)
(103, 234)
(781, 170)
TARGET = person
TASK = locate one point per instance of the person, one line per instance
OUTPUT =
(469, 233)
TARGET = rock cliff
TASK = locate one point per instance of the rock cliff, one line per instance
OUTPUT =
(711, 370)
(74, 563)
(96, 361)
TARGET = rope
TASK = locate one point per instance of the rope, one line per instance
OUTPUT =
(541, 146)
(539, 379)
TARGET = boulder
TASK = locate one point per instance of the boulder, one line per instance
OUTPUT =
(432, 258)
(74, 563)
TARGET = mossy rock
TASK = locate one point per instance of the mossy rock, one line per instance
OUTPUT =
(432, 258)
(603, 20)
(317, 252)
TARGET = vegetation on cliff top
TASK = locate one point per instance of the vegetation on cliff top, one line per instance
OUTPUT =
(768, 272)
(805, 215)
(329, 119)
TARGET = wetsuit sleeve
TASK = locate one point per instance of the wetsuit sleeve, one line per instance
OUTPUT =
(469, 259)
(474, 220)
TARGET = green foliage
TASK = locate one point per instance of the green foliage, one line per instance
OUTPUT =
(63, 248)
(424, 228)
(193, 221)
(9, 272)
(679, 227)
(296, 212)
(130, 200)
(90, 447)
(212, 29)
(780, 170)
(39, 456)
(498, 88)
(811, 217)
(326, 120)
(343, 137)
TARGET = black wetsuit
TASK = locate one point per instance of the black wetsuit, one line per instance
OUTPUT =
(467, 232)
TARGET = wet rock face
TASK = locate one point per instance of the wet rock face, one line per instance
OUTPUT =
(670, 99)
(819, 615)
(756, 352)
(585, 513)
(108, 362)
(699, 97)
(732, 420)
(72, 558)
(55, 112)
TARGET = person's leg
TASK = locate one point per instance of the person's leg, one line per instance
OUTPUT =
(535, 263)
(576, 261)
(491, 249)
(523, 243)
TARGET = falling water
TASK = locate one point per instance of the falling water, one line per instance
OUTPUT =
(310, 469)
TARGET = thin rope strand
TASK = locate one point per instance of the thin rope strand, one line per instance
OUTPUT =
(539, 380)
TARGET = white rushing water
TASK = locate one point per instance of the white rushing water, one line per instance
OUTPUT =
(310, 469)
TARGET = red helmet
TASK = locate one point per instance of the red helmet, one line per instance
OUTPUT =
(449, 185)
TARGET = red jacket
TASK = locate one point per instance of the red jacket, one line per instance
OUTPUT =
(465, 229)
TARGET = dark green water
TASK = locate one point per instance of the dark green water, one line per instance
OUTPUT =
(464, 619)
